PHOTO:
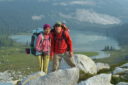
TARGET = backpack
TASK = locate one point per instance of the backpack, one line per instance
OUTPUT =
(34, 37)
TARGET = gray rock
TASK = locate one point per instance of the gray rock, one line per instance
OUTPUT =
(119, 70)
(102, 79)
(122, 71)
(85, 64)
(102, 66)
(60, 77)
(122, 83)
(124, 65)
(5, 76)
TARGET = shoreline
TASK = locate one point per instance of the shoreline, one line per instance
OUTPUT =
(101, 55)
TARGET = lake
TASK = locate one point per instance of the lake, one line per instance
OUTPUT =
(5, 83)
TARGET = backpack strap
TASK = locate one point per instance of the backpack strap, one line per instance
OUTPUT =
(64, 37)
(42, 34)
(44, 38)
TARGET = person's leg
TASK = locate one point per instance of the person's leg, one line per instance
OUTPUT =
(46, 63)
(40, 62)
(56, 62)
(69, 60)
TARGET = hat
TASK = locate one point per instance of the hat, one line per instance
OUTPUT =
(57, 24)
(46, 26)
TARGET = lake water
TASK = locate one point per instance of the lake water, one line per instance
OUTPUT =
(21, 38)
(5, 83)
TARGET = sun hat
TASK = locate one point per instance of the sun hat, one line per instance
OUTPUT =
(46, 26)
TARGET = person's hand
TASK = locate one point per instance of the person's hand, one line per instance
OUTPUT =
(51, 58)
(71, 54)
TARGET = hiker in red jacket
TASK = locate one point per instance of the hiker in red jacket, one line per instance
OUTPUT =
(61, 46)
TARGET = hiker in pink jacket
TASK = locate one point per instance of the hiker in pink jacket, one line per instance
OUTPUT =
(43, 45)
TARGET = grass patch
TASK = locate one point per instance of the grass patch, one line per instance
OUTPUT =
(87, 53)
(13, 58)
(116, 57)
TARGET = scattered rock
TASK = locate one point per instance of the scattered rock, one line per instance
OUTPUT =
(5, 76)
(124, 65)
(102, 66)
(122, 83)
(119, 70)
(122, 71)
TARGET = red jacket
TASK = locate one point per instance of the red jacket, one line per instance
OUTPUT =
(60, 45)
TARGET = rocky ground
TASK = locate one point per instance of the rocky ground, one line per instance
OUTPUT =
(86, 72)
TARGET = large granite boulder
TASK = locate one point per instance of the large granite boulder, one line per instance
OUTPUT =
(102, 79)
(60, 77)
(86, 65)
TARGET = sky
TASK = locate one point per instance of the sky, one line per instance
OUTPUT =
(101, 12)
(93, 11)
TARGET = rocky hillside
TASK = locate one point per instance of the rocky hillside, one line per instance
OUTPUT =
(86, 72)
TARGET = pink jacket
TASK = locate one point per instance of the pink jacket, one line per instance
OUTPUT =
(43, 43)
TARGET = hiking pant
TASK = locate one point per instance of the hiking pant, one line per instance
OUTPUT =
(57, 59)
(43, 63)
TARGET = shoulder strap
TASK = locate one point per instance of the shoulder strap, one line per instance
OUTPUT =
(42, 37)
(64, 37)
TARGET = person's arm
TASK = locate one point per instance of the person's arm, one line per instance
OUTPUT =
(52, 46)
(38, 42)
(69, 42)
